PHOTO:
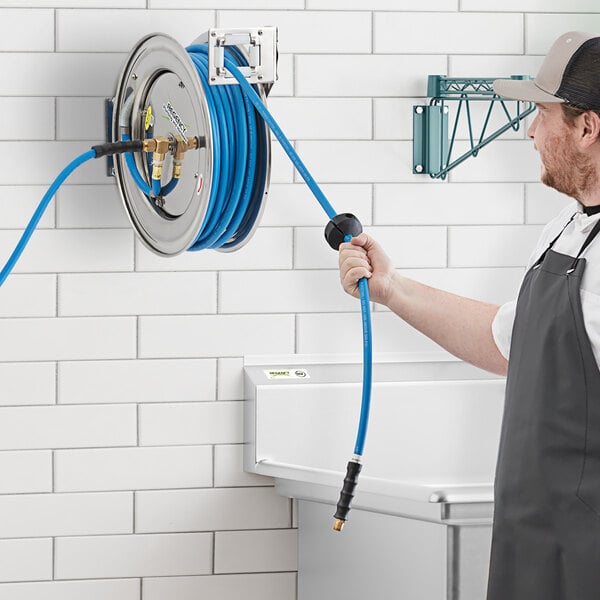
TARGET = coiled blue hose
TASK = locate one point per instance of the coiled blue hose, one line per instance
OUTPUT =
(235, 147)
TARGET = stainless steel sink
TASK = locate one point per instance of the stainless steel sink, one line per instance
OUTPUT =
(425, 493)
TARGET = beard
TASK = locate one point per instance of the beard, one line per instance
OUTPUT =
(567, 170)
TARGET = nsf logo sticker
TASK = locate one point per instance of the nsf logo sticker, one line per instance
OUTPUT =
(287, 374)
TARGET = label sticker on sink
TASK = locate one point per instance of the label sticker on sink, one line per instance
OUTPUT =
(287, 374)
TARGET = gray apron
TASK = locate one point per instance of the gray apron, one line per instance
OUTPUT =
(546, 533)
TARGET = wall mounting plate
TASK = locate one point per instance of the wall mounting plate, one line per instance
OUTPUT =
(159, 93)
(260, 45)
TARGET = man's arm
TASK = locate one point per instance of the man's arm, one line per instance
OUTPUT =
(462, 326)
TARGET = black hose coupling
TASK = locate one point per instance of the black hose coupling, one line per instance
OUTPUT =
(341, 226)
(343, 506)
(117, 148)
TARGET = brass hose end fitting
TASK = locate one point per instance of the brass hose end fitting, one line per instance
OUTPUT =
(338, 524)
(177, 169)
(157, 165)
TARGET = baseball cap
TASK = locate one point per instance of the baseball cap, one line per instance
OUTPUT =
(570, 73)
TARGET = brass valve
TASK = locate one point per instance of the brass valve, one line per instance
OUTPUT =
(180, 149)
(160, 145)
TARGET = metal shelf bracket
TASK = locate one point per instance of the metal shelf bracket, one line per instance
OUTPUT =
(432, 148)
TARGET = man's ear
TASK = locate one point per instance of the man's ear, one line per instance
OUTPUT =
(589, 126)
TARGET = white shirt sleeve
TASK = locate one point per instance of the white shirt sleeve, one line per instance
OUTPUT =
(502, 326)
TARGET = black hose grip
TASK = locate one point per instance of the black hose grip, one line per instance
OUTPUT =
(341, 226)
(117, 148)
(343, 506)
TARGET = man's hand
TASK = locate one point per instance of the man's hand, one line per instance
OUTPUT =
(364, 257)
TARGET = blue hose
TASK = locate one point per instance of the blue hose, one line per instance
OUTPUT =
(354, 465)
(156, 187)
(42, 206)
(169, 187)
(365, 406)
(331, 213)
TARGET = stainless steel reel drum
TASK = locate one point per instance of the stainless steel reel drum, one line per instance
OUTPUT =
(159, 93)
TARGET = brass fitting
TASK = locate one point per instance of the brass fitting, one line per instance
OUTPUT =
(180, 149)
(160, 145)
(177, 164)
(193, 143)
(338, 524)
(157, 165)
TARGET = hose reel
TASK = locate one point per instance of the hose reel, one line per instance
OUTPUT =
(160, 95)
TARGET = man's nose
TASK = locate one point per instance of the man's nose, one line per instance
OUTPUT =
(532, 128)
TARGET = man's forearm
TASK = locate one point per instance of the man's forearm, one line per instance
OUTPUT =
(462, 326)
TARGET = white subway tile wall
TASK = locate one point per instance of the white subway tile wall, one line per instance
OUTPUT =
(230, 382)
(28, 383)
(121, 381)
(92, 589)
(99, 31)
(201, 510)
(448, 33)
(110, 469)
(40, 290)
(85, 206)
(545, 6)
(255, 586)
(464, 65)
(25, 560)
(328, 31)
(45, 515)
(108, 556)
(255, 551)
(23, 472)
(542, 30)
(139, 381)
(18, 202)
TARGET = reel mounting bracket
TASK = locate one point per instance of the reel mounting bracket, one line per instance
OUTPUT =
(260, 44)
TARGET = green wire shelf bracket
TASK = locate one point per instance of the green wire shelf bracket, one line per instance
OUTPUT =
(432, 148)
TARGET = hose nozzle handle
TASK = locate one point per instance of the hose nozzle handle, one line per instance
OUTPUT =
(343, 506)
(340, 227)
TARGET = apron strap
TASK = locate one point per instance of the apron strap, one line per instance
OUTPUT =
(590, 238)
(541, 258)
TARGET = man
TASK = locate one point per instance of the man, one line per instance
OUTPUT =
(546, 533)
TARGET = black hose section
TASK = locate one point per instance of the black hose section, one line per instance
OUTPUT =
(117, 148)
(343, 506)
